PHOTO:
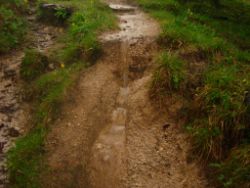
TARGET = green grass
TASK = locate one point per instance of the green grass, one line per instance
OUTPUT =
(47, 88)
(169, 76)
(90, 18)
(33, 65)
(25, 173)
(12, 25)
(217, 114)
(204, 38)
(235, 169)
(25, 160)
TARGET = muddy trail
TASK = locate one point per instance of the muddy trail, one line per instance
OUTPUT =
(14, 112)
(109, 134)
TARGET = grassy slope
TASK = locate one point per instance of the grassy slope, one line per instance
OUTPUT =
(216, 39)
(48, 88)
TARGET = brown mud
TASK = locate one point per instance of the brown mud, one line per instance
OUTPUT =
(109, 134)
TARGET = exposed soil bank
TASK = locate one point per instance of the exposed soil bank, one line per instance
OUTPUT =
(14, 112)
(109, 134)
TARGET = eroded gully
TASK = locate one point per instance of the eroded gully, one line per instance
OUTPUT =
(109, 134)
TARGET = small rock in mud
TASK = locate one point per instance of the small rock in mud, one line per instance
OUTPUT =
(51, 66)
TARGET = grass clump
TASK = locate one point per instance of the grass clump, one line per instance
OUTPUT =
(176, 27)
(12, 26)
(221, 124)
(202, 37)
(219, 81)
(51, 89)
(84, 26)
(170, 74)
(25, 157)
(235, 169)
(33, 65)
(89, 19)
(188, 26)
(220, 103)
(54, 14)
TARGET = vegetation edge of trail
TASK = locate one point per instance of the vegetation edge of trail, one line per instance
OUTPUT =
(205, 63)
(46, 88)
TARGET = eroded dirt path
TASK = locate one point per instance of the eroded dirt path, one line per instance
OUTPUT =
(110, 135)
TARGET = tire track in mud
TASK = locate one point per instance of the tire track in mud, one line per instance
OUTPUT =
(109, 134)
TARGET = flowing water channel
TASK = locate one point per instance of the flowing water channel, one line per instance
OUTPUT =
(108, 161)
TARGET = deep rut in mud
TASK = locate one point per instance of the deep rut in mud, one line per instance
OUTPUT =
(109, 135)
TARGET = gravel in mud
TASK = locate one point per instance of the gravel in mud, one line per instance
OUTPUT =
(109, 134)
